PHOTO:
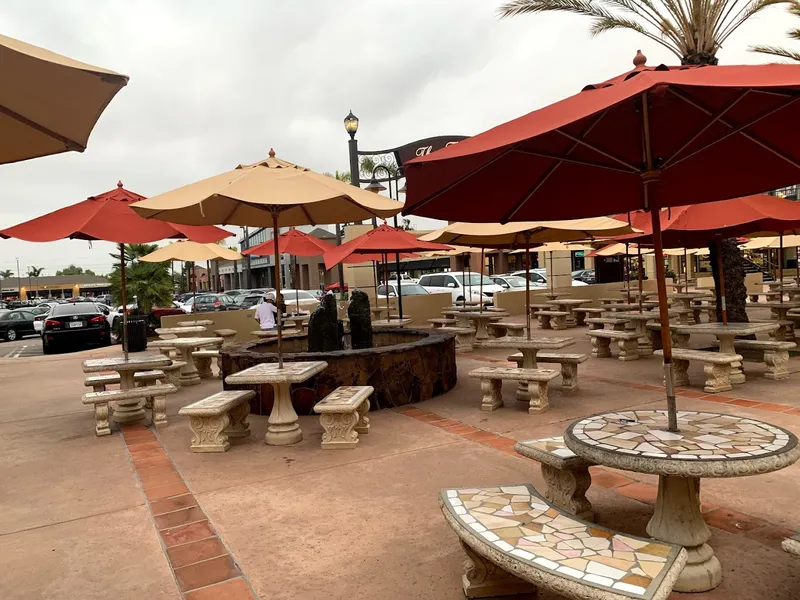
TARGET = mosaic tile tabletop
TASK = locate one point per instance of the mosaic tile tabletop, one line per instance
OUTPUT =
(342, 397)
(292, 372)
(517, 521)
(134, 363)
(535, 343)
(553, 450)
(702, 437)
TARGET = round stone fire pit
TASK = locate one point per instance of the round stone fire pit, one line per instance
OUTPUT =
(404, 366)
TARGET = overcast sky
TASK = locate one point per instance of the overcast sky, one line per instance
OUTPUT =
(214, 84)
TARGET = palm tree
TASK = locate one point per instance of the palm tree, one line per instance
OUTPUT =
(693, 30)
(792, 33)
(35, 272)
(151, 283)
(7, 274)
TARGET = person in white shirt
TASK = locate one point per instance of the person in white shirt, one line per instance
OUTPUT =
(265, 313)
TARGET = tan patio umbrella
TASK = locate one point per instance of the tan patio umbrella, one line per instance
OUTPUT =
(270, 193)
(189, 251)
(525, 233)
(49, 103)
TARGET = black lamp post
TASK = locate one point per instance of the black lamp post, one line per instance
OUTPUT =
(351, 127)
(375, 187)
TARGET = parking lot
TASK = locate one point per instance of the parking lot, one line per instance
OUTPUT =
(28, 346)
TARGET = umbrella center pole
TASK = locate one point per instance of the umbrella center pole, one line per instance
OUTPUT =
(124, 298)
(279, 311)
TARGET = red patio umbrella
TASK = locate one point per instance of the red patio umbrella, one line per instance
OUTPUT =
(650, 138)
(109, 218)
(293, 242)
(699, 224)
(382, 240)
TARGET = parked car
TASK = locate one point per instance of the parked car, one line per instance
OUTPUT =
(509, 282)
(307, 301)
(71, 326)
(458, 285)
(587, 276)
(16, 324)
(334, 287)
(208, 303)
(246, 301)
(407, 289)
(539, 278)
(41, 312)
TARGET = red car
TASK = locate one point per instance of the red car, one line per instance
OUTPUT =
(334, 287)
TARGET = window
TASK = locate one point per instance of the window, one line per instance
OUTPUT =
(448, 279)
(381, 290)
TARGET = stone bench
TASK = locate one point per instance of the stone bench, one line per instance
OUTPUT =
(492, 386)
(506, 534)
(627, 342)
(215, 419)
(227, 335)
(504, 328)
(552, 319)
(566, 474)
(717, 367)
(569, 365)
(582, 313)
(439, 322)
(173, 372)
(343, 416)
(614, 323)
(465, 337)
(537, 307)
(98, 383)
(102, 412)
(202, 362)
(775, 355)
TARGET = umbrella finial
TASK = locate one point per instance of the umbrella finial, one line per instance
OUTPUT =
(119, 183)
(271, 153)
(639, 60)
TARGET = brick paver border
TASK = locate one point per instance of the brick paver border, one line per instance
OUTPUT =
(201, 562)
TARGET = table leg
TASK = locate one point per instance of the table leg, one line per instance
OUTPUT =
(645, 346)
(481, 332)
(726, 347)
(571, 320)
(677, 519)
(283, 429)
(528, 362)
(189, 375)
(130, 410)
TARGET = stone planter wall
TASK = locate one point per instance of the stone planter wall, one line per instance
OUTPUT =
(409, 366)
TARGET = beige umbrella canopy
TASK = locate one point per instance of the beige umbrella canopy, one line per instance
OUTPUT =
(495, 235)
(191, 252)
(270, 193)
(48, 103)
(250, 195)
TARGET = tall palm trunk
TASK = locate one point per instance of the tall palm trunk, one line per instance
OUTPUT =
(733, 272)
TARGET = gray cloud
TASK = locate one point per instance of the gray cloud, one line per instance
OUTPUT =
(214, 84)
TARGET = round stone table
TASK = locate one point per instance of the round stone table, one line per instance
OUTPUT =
(480, 320)
(706, 445)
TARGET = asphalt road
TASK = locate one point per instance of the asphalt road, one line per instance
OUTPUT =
(28, 346)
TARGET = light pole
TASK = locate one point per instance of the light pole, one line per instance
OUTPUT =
(351, 127)
(19, 283)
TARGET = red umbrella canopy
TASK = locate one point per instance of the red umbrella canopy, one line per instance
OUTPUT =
(381, 240)
(697, 225)
(108, 217)
(293, 242)
(652, 137)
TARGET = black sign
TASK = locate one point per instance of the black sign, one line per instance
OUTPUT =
(423, 147)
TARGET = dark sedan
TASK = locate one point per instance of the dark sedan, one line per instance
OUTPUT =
(16, 324)
(72, 326)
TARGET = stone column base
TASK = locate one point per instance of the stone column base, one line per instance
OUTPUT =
(492, 394)
(627, 350)
(338, 430)
(484, 579)
(539, 402)
(567, 489)
(718, 378)
(569, 377)
(776, 364)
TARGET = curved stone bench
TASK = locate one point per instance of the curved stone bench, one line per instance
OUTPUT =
(509, 536)
(775, 355)
(627, 342)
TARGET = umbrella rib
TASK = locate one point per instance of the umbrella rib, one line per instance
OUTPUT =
(717, 117)
(575, 161)
(70, 144)
(739, 130)
(600, 151)
(552, 169)
(308, 216)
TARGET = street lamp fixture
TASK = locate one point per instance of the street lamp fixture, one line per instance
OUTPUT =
(351, 124)
(374, 185)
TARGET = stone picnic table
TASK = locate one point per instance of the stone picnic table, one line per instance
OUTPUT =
(296, 320)
(779, 308)
(480, 320)
(283, 429)
(187, 331)
(706, 445)
(686, 298)
(566, 305)
(620, 307)
(131, 410)
(640, 320)
(391, 323)
(187, 345)
(529, 349)
(725, 334)
(458, 315)
(552, 295)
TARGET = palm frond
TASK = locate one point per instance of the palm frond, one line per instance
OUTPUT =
(748, 10)
(580, 7)
(777, 51)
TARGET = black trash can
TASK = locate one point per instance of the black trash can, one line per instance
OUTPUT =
(137, 333)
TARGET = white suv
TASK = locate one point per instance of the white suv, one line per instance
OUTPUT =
(458, 285)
